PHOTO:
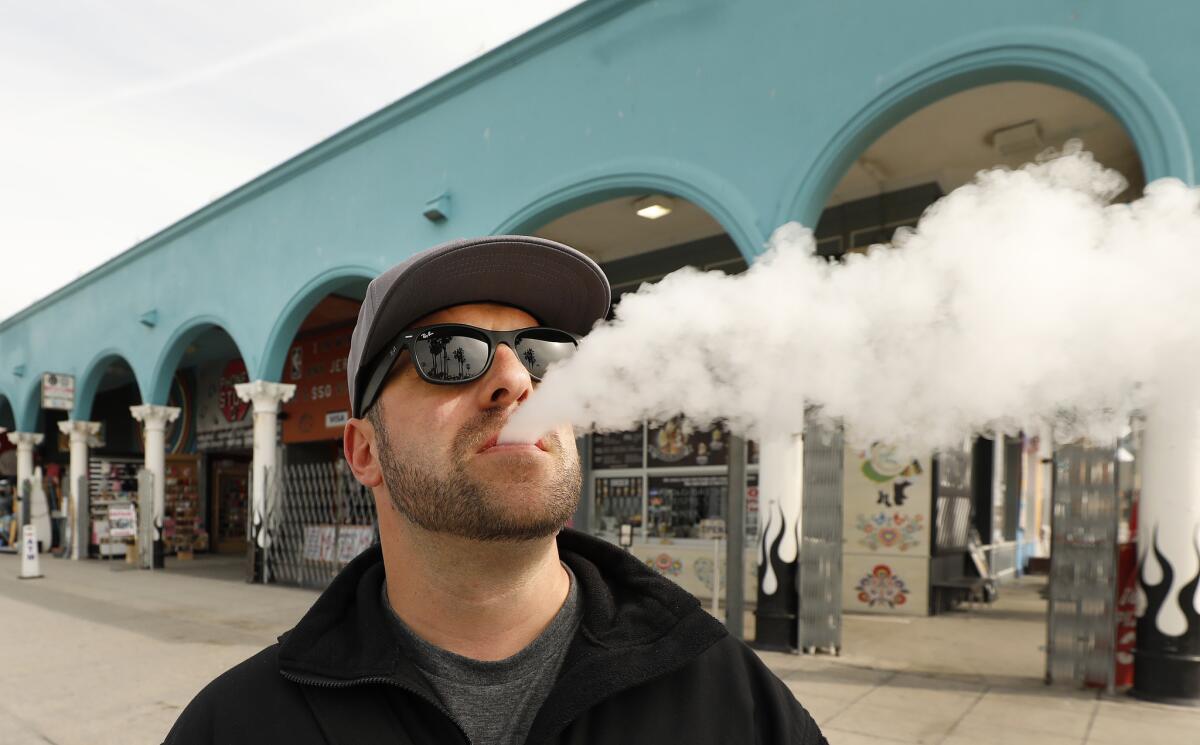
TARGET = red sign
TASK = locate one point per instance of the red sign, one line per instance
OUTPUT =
(233, 408)
(316, 364)
(1126, 613)
(1126, 604)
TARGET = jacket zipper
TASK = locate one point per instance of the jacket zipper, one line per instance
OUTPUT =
(326, 683)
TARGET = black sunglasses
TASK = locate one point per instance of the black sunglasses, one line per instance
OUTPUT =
(452, 353)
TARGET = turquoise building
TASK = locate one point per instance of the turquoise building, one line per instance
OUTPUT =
(728, 118)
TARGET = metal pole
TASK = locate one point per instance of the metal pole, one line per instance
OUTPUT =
(716, 595)
(83, 518)
(587, 507)
(735, 545)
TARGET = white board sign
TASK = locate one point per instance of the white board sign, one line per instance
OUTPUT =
(58, 391)
(122, 521)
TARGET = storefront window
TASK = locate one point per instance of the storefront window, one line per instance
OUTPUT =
(670, 481)
(618, 501)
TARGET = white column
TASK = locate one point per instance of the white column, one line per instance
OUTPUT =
(266, 397)
(154, 421)
(80, 433)
(25, 442)
(781, 486)
(1167, 661)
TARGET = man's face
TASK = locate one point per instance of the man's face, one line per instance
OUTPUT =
(437, 453)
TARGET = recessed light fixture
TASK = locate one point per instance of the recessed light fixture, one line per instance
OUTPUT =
(653, 206)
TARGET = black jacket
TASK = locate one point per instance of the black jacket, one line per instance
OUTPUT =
(648, 665)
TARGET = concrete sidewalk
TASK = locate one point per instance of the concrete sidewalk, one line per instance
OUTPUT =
(93, 656)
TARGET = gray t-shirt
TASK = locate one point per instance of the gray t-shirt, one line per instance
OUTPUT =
(494, 702)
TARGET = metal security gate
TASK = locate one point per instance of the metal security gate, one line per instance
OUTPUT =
(820, 574)
(1081, 614)
(318, 518)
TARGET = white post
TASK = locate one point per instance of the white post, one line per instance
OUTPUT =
(781, 486)
(25, 442)
(80, 433)
(266, 398)
(154, 421)
(998, 491)
(1167, 660)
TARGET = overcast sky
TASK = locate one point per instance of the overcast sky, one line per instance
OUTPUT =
(118, 118)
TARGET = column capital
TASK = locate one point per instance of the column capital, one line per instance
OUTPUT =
(26, 439)
(265, 395)
(153, 416)
(78, 429)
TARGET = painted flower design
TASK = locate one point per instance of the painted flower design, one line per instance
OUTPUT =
(881, 587)
(895, 531)
(665, 564)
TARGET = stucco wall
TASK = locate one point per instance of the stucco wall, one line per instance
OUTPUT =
(751, 109)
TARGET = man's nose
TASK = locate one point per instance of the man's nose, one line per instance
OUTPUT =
(507, 382)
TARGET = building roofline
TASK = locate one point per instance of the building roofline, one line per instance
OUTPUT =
(558, 29)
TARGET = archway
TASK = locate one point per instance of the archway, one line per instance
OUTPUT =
(8, 420)
(8, 470)
(318, 517)
(1074, 61)
(107, 390)
(209, 449)
(916, 542)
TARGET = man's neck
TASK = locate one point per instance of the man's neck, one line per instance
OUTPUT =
(482, 600)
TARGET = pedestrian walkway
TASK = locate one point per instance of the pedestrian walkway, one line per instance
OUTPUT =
(93, 655)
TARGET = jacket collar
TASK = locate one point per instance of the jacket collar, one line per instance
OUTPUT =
(345, 638)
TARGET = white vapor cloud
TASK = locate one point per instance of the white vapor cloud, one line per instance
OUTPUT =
(1020, 298)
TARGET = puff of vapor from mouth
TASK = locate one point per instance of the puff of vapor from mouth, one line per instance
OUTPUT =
(1023, 297)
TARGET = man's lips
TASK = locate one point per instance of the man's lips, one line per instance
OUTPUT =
(492, 444)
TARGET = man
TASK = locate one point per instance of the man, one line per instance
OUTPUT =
(478, 618)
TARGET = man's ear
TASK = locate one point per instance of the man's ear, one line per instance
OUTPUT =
(359, 444)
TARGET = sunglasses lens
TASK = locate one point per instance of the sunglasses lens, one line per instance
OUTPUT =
(541, 348)
(450, 357)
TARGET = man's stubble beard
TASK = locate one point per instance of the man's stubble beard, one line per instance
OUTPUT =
(456, 504)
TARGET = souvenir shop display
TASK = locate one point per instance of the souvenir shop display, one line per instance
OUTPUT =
(231, 494)
(183, 525)
(110, 481)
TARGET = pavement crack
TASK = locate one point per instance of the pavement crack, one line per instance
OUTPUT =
(966, 713)
(1087, 734)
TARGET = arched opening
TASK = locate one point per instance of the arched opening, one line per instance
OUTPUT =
(209, 447)
(316, 364)
(8, 473)
(666, 480)
(8, 420)
(319, 517)
(115, 453)
(941, 147)
(935, 536)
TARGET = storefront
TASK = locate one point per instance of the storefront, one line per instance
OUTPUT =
(322, 517)
(224, 443)
(671, 483)
(116, 455)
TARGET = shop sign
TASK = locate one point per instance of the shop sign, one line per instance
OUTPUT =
(58, 391)
(618, 449)
(677, 443)
(329, 542)
(122, 521)
(317, 367)
(223, 420)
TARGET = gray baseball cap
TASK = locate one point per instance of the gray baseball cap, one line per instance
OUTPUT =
(556, 284)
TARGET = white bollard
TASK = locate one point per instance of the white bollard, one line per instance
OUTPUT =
(29, 553)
